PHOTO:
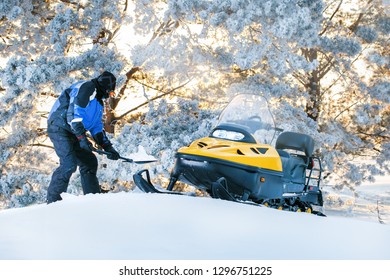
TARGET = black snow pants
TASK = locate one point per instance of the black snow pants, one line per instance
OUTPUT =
(71, 155)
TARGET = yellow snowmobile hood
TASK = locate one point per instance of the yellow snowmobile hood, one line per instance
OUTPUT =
(257, 155)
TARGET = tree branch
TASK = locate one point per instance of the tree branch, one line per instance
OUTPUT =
(377, 134)
(300, 78)
(346, 109)
(355, 25)
(129, 76)
(152, 99)
(331, 17)
(76, 3)
(342, 74)
(126, 4)
(164, 28)
(41, 145)
(324, 69)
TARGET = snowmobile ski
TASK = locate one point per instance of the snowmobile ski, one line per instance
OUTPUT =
(147, 187)
(219, 190)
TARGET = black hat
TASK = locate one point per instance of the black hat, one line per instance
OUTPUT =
(107, 83)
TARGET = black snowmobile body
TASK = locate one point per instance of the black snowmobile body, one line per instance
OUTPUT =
(238, 161)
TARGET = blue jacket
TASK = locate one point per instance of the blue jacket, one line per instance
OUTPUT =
(79, 109)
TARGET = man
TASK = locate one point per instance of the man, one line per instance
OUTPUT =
(79, 109)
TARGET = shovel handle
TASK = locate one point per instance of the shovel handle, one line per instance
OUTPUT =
(101, 152)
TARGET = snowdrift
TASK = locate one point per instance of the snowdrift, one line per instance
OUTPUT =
(142, 226)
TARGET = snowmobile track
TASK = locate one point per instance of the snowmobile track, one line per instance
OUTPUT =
(218, 190)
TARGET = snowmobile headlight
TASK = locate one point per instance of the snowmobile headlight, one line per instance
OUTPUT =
(229, 135)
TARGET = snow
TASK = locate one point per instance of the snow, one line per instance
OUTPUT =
(96, 235)
(138, 226)
(370, 201)
(142, 155)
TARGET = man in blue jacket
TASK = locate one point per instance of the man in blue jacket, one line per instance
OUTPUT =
(79, 109)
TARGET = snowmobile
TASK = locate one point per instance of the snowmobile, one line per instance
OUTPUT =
(240, 161)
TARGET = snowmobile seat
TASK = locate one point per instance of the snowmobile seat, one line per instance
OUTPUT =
(284, 156)
(297, 169)
(294, 165)
(295, 141)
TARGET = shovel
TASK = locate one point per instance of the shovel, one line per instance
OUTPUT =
(101, 152)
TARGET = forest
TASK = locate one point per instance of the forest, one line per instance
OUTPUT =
(322, 64)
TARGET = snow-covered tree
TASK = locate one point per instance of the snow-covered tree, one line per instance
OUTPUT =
(306, 56)
(348, 91)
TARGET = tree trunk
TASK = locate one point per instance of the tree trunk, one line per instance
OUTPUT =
(313, 87)
(314, 102)
(112, 103)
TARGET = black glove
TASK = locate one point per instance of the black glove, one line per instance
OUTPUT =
(101, 139)
(85, 144)
(114, 155)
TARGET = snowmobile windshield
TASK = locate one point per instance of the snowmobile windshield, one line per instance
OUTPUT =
(246, 118)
